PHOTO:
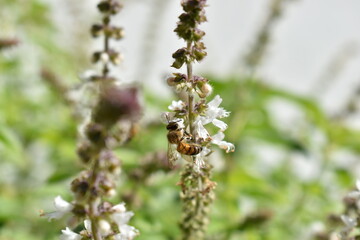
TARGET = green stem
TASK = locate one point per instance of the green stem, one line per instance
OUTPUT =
(191, 97)
(94, 200)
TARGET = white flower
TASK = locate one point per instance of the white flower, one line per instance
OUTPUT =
(104, 227)
(87, 225)
(355, 194)
(67, 234)
(213, 112)
(126, 233)
(218, 140)
(200, 130)
(177, 105)
(62, 207)
(120, 208)
(104, 57)
(350, 224)
(199, 163)
(122, 218)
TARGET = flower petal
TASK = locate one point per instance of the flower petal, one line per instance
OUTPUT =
(122, 218)
(87, 224)
(349, 222)
(354, 195)
(67, 234)
(200, 130)
(53, 215)
(129, 231)
(220, 124)
(358, 184)
(218, 137)
(217, 140)
(177, 105)
(120, 208)
(62, 205)
(215, 102)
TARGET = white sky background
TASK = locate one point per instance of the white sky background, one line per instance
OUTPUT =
(310, 35)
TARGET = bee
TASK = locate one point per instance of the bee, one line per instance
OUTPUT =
(177, 136)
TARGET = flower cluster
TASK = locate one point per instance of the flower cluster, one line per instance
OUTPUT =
(351, 217)
(187, 121)
(108, 123)
(115, 216)
(196, 114)
(107, 55)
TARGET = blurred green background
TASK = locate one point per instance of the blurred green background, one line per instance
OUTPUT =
(284, 179)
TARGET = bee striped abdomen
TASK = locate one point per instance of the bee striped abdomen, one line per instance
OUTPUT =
(188, 149)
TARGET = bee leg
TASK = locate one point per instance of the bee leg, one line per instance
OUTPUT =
(188, 135)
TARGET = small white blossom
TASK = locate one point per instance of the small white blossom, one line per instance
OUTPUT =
(177, 105)
(126, 233)
(355, 194)
(104, 57)
(62, 207)
(199, 163)
(67, 234)
(350, 224)
(200, 130)
(87, 225)
(119, 208)
(218, 140)
(213, 112)
(122, 218)
(104, 227)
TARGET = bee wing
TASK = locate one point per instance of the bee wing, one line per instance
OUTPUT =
(166, 117)
(187, 158)
(172, 154)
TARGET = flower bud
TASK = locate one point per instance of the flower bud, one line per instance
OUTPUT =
(171, 81)
(205, 90)
(180, 57)
(96, 30)
(104, 227)
(198, 34)
(199, 54)
(115, 57)
(104, 56)
(84, 152)
(96, 57)
(95, 132)
(79, 187)
(79, 210)
(118, 33)
(109, 6)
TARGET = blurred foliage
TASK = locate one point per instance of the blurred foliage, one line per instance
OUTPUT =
(281, 180)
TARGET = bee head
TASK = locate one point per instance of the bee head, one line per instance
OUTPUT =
(172, 126)
(175, 125)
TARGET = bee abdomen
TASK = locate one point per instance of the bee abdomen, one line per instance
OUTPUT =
(189, 149)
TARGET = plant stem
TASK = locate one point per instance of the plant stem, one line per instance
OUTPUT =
(94, 201)
(191, 97)
(106, 22)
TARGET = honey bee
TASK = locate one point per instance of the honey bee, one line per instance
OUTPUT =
(177, 136)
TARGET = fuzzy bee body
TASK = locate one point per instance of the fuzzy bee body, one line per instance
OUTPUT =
(188, 148)
(177, 136)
